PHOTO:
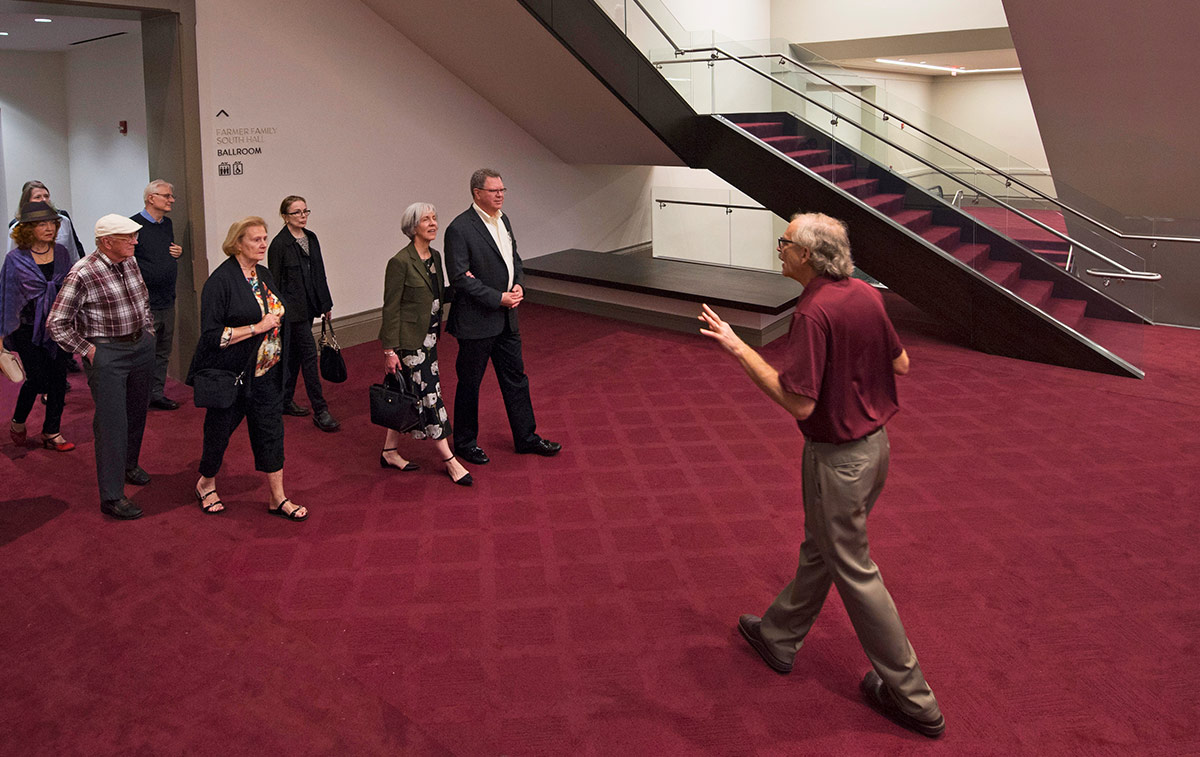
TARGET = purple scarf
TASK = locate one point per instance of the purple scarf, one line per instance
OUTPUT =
(21, 281)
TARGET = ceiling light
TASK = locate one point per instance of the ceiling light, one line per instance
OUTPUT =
(43, 20)
(952, 70)
(3, 34)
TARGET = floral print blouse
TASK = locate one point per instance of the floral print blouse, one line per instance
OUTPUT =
(272, 345)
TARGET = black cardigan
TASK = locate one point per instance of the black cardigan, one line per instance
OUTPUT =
(300, 294)
(228, 300)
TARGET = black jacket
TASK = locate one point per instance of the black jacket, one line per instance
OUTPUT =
(303, 288)
(477, 312)
(228, 300)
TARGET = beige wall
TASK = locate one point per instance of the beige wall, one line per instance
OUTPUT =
(822, 21)
(364, 124)
(33, 125)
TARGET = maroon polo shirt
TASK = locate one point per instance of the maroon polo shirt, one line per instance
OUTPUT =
(840, 351)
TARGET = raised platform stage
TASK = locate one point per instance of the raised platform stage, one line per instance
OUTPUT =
(666, 293)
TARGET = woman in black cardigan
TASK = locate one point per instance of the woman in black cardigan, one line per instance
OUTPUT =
(294, 258)
(240, 316)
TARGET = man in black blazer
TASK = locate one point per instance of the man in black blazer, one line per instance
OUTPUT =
(485, 271)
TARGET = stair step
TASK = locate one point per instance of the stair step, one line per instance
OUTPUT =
(945, 237)
(834, 171)
(1003, 272)
(810, 158)
(974, 255)
(885, 203)
(916, 220)
(1034, 291)
(1057, 257)
(762, 129)
(860, 187)
(1069, 312)
(786, 143)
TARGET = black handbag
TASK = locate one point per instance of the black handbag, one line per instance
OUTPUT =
(395, 403)
(216, 387)
(333, 366)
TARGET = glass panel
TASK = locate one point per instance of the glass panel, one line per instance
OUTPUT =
(714, 226)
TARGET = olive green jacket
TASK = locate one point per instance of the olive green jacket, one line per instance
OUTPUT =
(408, 296)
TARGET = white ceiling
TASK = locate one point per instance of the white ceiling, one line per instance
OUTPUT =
(63, 30)
(977, 59)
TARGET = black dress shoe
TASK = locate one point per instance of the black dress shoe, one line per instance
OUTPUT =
(751, 629)
(473, 455)
(543, 447)
(882, 701)
(164, 403)
(137, 476)
(326, 422)
(292, 408)
(121, 509)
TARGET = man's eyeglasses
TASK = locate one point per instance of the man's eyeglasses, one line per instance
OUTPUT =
(500, 191)
(304, 212)
(782, 242)
(167, 196)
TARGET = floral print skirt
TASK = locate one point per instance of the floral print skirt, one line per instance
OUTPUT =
(421, 368)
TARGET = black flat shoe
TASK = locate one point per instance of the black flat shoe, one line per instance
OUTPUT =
(164, 403)
(326, 422)
(383, 463)
(121, 509)
(292, 408)
(280, 512)
(137, 476)
(211, 508)
(473, 455)
(543, 447)
(463, 480)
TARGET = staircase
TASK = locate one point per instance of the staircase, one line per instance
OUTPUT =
(1001, 296)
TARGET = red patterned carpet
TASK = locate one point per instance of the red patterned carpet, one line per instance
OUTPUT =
(1039, 534)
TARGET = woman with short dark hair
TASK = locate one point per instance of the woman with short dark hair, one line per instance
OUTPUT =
(29, 282)
(294, 258)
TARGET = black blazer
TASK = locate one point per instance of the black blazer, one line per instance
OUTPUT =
(408, 294)
(477, 312)
(283, 258)
(228, 300)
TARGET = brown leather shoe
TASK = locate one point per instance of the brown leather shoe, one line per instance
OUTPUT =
(881, 700)
(751, 629)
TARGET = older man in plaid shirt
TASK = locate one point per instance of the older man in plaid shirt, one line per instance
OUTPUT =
(103, 313)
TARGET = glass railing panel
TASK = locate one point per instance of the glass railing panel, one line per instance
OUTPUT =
(752, 234)
(681, 230)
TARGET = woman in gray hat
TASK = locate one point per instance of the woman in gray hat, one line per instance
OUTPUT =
(29, 282)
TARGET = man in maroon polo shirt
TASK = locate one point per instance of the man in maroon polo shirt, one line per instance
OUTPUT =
(839, 383)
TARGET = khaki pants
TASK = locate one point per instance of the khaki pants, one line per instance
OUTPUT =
(841, 484)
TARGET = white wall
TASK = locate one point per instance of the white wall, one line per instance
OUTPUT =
(823, 21)
(33, 114)
(994, 108)
(105, 86)
(363, 123)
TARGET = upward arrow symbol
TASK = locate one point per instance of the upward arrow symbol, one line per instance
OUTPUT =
(222, 112)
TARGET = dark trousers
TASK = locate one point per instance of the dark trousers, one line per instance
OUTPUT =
(260, 402)
(164, 336)
(119, 376)
(504, 350)
(302, 355)
(45, 373)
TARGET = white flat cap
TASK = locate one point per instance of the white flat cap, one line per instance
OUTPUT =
(116, 224)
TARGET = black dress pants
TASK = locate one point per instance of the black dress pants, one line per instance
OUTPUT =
(119, 376)
(45, 373)
(302, 355)
(260, 402)
(164, 337)
(504, 350)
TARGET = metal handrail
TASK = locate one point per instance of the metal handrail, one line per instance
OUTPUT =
(888, 114)
(729, 207)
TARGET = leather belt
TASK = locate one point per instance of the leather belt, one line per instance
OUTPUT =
(134, 337)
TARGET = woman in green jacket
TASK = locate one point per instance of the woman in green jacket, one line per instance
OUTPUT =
(412, 320)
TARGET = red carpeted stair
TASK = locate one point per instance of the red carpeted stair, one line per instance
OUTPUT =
(952, 239)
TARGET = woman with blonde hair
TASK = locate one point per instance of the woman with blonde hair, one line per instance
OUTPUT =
(240, 316)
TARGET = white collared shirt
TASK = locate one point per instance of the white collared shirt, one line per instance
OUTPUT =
(502, 238)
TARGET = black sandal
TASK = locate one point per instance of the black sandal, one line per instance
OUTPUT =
(463, 480)
(212, 507)
(409, 466)
(284, 514)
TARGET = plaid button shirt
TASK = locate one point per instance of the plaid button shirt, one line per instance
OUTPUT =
(99, 298)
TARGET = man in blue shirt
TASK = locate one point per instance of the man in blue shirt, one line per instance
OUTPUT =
(157, 257)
